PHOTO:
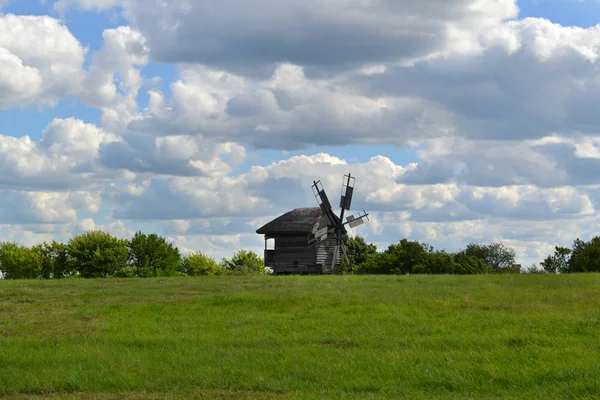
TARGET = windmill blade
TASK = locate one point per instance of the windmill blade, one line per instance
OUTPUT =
(347, 190)
(319, 192)
(323, 202)
(355, 220)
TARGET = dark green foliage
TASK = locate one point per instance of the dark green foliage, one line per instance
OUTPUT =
(359, 251)
(496, 255)
(19, 262)
(440, 262)
(585, 256)
(557, 262)
(244, 263)
(582, 257)
(398, 258)
(98, 254)
(152, 255)
(200, 264)
(54, 260)
(470, 264)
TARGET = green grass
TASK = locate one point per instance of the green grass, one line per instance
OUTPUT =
(362, 337)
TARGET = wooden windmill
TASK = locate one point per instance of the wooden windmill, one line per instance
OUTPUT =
(335, 227)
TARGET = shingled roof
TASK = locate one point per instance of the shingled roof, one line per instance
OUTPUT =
(297, 221)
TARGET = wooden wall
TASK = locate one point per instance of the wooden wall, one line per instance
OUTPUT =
(293, 255)
(324, 254)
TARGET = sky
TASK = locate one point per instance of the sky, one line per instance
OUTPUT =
(200, 120)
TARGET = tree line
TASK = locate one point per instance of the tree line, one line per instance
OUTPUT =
(581, 257)
(413, 257)
(97, 254)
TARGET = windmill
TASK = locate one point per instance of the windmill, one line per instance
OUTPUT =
(334, 226)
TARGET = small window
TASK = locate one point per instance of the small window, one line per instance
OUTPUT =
(296, 263)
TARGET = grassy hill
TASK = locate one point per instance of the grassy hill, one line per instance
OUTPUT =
(509, 336)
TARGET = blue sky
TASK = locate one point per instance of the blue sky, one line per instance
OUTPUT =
(204, 132)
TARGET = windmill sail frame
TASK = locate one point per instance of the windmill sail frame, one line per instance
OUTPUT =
(332, 222)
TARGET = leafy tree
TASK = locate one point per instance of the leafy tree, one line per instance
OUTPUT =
(398, 258)
(557, 262)
(97, 254)
(440, 262)
(469, 264)
(585, 256)
(200, 264)
(495, 255)
(359, 251)
(244, 263)
(54, 260)
(19, 262)
(152, 255)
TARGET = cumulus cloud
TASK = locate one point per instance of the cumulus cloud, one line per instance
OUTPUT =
(530, 79)
(332, 35)
(23, 207)
(287, 111)
(285, 185)
(65, 157)
(28, 75)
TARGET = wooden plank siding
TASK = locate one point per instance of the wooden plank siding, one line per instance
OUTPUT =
(325, 249)
(293, 255)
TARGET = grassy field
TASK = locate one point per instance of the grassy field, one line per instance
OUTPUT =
(362, 337)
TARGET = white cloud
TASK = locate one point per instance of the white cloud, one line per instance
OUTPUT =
(28, 75)
(326, 36)
(65, 157)
(286, 111)
(21, 207)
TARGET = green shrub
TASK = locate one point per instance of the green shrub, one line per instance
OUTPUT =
(152, 255)
(97, 254)
(200, 264)
(244, 263)
(19, 262)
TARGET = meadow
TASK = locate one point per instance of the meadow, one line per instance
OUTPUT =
(359, 337)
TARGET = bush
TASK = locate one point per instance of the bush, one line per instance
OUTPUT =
(496, 255)
(152, 255)
(19, 262)
(244, 263)
(359, 251)
(97, 254)
(200, 264)
(54, 260)
(585, 256)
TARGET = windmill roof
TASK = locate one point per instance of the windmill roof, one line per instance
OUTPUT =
(299, 220)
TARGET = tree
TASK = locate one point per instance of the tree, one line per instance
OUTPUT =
(244, 263)
(440, 262)
(19, 262)
(557, 262)
(152, 255)
(200, 264)
(585, 256)
(359, 251)
(398, 258)
(54, 260)
(97, 254)
(469, 264)
(495, 255)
